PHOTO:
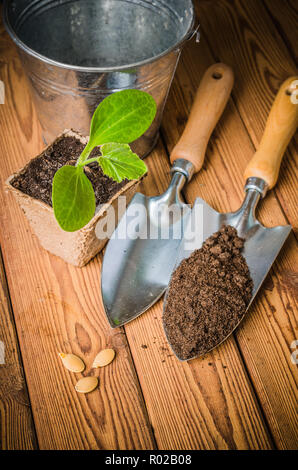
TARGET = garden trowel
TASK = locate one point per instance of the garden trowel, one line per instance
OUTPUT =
(262, 245)
(141, 254)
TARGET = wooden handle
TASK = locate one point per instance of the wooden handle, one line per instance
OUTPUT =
(280, 127)
(209, 103)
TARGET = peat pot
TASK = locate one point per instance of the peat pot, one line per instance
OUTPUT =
(78, 247)
(76, 52)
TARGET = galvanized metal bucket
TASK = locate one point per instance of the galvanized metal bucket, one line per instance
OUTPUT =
(76, 52)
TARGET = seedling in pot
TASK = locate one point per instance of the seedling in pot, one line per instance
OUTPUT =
(119, 119)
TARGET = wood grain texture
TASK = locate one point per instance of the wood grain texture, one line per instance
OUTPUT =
(242, 34)
(271, 325)
(285, 18)
(58, 308)
(16, 423)
(211, 402)
(205, 404)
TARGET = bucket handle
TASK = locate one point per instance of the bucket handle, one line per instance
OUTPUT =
(195, 32)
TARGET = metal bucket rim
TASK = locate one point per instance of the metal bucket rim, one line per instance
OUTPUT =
(189, 34)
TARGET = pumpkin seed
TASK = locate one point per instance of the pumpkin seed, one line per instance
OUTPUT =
(104, 358)
(72, 362)
(86, 384)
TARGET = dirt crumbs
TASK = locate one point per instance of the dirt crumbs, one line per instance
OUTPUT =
(36, 181)
(208, 295)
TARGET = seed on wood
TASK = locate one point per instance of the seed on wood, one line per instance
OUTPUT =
(86, 384)
(103, 358)
(72, 362)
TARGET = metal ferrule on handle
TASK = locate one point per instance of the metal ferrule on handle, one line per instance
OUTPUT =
(244, 218)
(173, 193)
(182, 172)
(183, 166)
(258, 184)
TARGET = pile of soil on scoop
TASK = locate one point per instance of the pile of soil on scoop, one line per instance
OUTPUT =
(208, 295)
(37, 180)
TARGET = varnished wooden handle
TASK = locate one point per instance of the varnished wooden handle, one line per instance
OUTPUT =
(280, 127)
(210, 100)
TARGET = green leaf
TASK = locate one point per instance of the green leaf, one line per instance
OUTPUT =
(73, 198)
(122, 117)
(119, 162)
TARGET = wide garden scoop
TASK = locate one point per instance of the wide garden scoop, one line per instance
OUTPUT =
(140, 256)
(262, 245)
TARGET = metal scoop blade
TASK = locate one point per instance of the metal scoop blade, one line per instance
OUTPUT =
(261, 246)
(137, 267)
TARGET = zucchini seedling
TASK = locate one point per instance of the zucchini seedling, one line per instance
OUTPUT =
(118, 120)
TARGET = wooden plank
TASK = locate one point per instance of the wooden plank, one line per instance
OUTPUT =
(264, 336)
(285, 18)
(16, 424)
(205, 404)
(243, 34)
(58, 307)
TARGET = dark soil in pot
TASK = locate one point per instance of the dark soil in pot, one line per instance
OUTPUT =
(36, 180)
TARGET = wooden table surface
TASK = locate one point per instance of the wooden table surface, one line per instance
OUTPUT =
(243, 395)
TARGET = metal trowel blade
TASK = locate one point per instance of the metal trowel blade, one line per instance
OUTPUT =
(136, 270)
(261, 246)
